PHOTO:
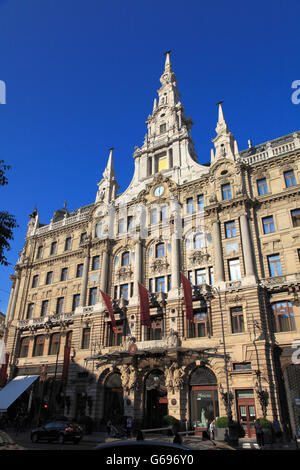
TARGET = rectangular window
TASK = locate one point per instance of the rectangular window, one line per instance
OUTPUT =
(162, 164)
(124, 291)
(226, 192)
(121, 226)
(49, 277)
(211, 275)
(151, 286)
(86, 335)
(296, 217)
(39, 252)
(190, 276)
(54, 344)
(60, 305)
(160, 284)
(29, 313)
(95, 263)
(162, 128)
(190, 205)
(53, 248)
(44, 309)
(200, 276)
(283, 316)
(79, 270)
(163, 213)
(39, 343)
(125, 259)
(129, 222)
(274, 265)
(68, 244)
(200, 202)
(241, 366)
(160, 250)
(199, 241)
(24, 346)
(234, 269)
(93, 296)
(230, 229)
(76, 301)
(169, 282)
(289, 178)
(153, 216)
(155, 332)
(199, 327)
(262, 186)
(268, 224)
(83, 237)
(115, 338)
(64, 274)
(35, 281)
(237, 320)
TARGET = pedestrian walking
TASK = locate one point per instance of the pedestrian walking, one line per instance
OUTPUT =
(129, 425)
(259, 434)
(212, 429)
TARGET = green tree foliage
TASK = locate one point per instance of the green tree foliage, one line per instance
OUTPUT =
(7, 221)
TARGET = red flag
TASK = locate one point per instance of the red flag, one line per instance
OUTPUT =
(144, 306)
(187, 292)
(66, 363)
(107, 301)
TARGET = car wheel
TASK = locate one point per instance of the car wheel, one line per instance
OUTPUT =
(34, 437)
(61, 439)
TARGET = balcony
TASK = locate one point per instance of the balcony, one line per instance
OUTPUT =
(46, 322)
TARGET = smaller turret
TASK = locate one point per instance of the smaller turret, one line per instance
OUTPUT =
(108, 186)
(225, 143)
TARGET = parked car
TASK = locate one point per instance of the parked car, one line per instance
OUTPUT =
(61, 431)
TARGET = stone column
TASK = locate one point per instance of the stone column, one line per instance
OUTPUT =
(104, 270)
(16, 285)
(13, 279)
(137, 267)
(217, 245)
(175, 256)
(246, 243)
(85, 274)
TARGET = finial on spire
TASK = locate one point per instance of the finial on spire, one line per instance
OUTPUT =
(168, 66)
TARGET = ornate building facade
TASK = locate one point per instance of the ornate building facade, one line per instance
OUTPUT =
(231, 226)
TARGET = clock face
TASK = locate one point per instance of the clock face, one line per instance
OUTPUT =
(158, 191)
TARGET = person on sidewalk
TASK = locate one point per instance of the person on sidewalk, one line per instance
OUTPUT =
(212, 429)
(259, 434)
(128, 426)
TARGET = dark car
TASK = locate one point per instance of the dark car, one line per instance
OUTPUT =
(61, 431)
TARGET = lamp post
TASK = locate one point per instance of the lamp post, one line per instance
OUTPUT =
(226, 396)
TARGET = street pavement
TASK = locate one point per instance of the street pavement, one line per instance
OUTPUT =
(9, 440)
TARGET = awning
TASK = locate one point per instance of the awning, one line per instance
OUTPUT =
(14, 389)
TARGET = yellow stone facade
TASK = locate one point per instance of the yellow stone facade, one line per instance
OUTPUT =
(231, 226)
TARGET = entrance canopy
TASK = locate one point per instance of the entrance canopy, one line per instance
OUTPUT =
(14, 389)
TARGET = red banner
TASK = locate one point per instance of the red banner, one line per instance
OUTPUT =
(66, 363)
(107, 301)
(3, 371)
(188, 300)
(144, 306)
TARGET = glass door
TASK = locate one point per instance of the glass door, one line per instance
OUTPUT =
(204, 406)
(246, 411)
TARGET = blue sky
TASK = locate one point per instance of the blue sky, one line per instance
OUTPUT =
(81, 76)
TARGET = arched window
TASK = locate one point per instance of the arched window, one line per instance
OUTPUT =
(204, 405)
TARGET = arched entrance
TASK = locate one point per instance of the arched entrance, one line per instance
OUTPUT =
(113, 399)
(156, 402)
(204, 404)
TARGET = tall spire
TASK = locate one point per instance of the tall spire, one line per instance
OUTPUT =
(168, 65)
(225, 143)
(108, 186)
